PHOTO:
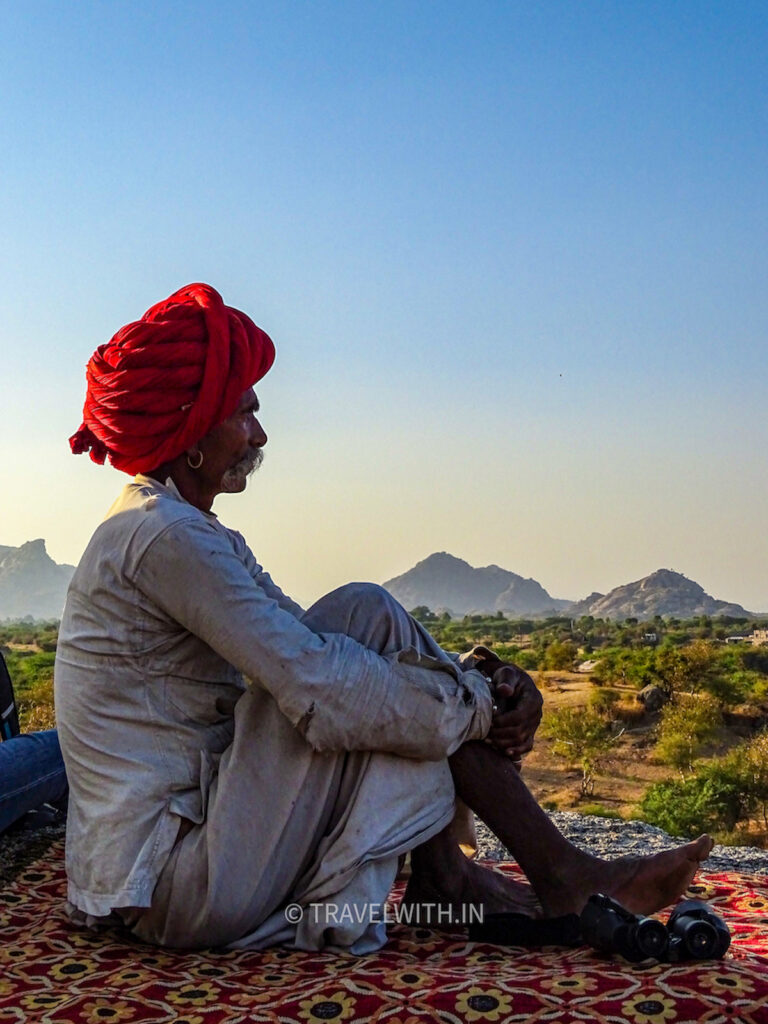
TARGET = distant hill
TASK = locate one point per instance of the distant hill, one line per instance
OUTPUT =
(31, 583)
(445, 582)
(664, 592)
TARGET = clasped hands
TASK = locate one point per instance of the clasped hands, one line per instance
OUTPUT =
(517, 703)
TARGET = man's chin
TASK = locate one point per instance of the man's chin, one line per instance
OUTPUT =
(233, 484)
(236, 480)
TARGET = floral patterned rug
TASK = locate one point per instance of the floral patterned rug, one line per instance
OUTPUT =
(52, 972)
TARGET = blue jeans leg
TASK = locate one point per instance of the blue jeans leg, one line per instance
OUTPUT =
(31, 773)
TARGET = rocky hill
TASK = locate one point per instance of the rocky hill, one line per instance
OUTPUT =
(31, 583)
(664, 592)
(445, 582)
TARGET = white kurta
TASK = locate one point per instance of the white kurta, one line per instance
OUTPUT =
(302, 788)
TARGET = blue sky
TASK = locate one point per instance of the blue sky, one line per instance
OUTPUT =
(512, 255)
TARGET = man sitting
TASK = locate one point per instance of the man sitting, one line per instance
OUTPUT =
(231, 755)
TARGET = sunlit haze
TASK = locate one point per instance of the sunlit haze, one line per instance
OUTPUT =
(512, 256)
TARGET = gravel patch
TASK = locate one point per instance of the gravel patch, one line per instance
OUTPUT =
(19, 847)
(605, 837)
(611, 838)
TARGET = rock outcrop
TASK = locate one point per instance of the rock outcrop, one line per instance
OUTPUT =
(445, 582)
(31, 583)
(663, 593)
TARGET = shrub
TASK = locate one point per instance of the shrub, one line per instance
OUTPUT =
(687, 724)
(604, 701)
(583, 737)
(720, 795)
(560, 656)
(688, 808)
(527, 659)
(748, 764)
(599, 811)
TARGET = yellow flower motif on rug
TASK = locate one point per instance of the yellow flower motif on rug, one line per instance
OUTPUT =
(655, 1008)
(579, 983)
(103, 1010)
(21, 953)
(195, 994)
(723, 980)
(71, 969)
(338, 1006)
(44, 1000)
(483, 1004)
(407, 979)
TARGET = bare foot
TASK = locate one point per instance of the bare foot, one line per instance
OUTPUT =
(476, 886)
(641, 884)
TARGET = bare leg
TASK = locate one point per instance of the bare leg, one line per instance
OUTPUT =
(563, 876)
(442, 874)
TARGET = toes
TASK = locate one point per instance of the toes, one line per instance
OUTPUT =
(703, 847)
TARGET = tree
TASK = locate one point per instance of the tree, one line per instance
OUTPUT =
(687, 724)
(687, 669)
(748, 765)
(560, 655)
(423, 614)
(582, 737)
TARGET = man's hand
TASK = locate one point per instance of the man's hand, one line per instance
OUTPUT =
(517, 699)
(518, 713)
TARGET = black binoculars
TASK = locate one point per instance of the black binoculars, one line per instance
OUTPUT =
(693, 932)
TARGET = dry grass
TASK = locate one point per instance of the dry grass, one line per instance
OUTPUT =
(623, 777)
(626, 774)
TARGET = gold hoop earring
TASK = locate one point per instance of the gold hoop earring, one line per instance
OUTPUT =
(195, 465)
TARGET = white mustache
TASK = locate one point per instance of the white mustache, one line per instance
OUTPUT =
(250, 463)
(235, 476)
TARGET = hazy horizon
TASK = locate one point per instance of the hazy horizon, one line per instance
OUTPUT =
(559, 597)
(513, 259)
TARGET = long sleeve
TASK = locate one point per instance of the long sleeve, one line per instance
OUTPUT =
(262, 577)
(336, 692)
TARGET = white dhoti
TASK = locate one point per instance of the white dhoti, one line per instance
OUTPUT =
(288, 825)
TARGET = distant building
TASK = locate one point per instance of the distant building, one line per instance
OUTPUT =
(737, 639)
(759, 636)
(650, 638)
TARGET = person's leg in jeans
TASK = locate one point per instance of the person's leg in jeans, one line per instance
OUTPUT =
(31, 773)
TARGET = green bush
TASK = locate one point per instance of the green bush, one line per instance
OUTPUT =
(720, 795)
(748, 764)
(599, 810)
(32, 676)
(582, 737)
(604, 701)
(528, 660)
(687, 724)
(559, 656)
(688, 808)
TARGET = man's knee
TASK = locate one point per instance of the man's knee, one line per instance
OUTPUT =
(368, 597)
(353, 608)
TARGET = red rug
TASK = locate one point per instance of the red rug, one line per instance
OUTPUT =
(50, 971)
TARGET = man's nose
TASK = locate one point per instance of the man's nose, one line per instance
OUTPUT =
(258, 437)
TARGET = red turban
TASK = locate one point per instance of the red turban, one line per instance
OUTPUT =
(164, 381)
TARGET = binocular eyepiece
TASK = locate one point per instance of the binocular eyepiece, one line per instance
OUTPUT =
(696, 933)
(693, 932)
